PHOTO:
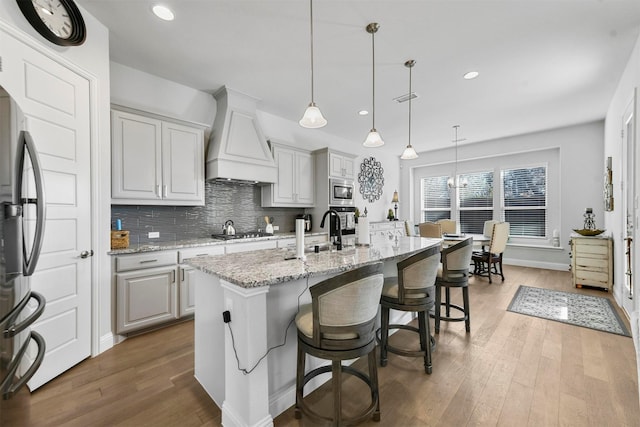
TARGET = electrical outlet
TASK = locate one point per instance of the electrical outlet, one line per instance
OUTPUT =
(276, 228)
(154, 234)
(228, 304)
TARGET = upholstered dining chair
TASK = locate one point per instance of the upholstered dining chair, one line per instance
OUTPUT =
(340, 324)
(488, 262)
(409, 228)
(487, 230)
(411, 290)
(454, 273)
(430, 229)
(449, 226)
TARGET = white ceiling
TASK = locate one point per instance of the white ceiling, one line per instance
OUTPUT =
(543, 64)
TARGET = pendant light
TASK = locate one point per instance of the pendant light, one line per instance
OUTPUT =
(455, 182)
(409, 153)
(312, 117)
(373, 139)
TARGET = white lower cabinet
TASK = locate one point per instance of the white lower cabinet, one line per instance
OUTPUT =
(145, 298)
(146, 290)
(186, 294)
(592, 261)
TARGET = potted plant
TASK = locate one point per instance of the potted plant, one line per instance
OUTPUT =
(390, 215)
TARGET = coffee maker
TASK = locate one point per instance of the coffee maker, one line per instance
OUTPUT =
(307, 222)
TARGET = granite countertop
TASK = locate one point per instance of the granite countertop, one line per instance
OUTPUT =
(204, 241)
(273, 266)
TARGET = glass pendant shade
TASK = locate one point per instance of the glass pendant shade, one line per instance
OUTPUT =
(312, 118)
(373, 139)
(409, 153)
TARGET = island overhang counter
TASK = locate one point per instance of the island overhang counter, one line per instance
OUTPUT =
(262, 291)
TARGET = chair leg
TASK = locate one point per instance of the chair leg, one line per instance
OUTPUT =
(373, 377)
(467, 311)
(336, 373)
(489, 264)
(500, 264)
(436, 308)
(299, 381)
(425, 340)
(447, 301)
(384, 334)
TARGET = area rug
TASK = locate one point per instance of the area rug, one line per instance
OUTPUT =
(567, 307)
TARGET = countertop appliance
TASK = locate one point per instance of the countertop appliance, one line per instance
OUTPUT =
(22, 218)
(307, 222)
(341, 192)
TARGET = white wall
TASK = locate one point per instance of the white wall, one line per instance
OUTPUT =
(137, 89)
(92, 59)
(615, 220)
(581, 168)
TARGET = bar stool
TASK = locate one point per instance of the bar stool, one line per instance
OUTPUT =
(412, 290)
(454, 274)
(340, 324)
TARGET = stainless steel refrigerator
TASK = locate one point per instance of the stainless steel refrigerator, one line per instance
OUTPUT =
(22, 218)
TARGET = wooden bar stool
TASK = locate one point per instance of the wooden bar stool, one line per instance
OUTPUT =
(340, 324)
(454, 274)
(412, 290)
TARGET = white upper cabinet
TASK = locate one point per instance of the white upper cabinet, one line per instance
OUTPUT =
(155, 161)
(340, 165)
(295, 186)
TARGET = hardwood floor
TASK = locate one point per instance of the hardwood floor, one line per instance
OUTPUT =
(510, 370)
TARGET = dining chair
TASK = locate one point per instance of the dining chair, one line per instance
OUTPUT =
(430, 229)
(487, 230)
(488, 262)
(412, 290)
(454, 274)
(449, 226)
(409, 228)
(340, 324)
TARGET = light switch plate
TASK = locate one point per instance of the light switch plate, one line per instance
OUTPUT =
(276, 227)
(154, 234)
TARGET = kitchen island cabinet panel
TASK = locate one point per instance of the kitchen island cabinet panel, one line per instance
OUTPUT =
(156, 161)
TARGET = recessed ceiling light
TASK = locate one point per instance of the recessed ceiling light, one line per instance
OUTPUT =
(363, 112)
(163, 12)
(471, 75)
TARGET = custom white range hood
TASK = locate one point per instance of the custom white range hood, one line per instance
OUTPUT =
(237, 148)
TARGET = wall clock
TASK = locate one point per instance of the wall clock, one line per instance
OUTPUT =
(58, 21)
(371, 179)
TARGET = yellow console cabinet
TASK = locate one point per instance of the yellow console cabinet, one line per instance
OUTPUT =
(592, 261)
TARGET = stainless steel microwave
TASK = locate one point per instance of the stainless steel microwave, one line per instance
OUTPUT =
(341, 192)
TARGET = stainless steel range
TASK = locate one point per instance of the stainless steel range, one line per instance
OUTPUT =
(244, 235)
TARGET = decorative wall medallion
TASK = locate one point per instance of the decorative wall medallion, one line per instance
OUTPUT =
(371, 179)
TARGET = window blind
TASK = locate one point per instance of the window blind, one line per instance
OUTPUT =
(436, 201)
(475, 201)
(524, 200)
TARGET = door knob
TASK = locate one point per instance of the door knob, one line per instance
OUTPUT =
(86, 254)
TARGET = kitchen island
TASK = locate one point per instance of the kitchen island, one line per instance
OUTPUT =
(262, 291)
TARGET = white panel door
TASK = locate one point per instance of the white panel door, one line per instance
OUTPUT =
(183, 162)
(136, 157)
(55, 103)
(305, 190)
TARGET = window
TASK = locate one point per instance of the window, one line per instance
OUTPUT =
(524, 200)
(436, 202)
(475, 201)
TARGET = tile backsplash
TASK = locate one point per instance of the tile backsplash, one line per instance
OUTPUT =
(239, 202)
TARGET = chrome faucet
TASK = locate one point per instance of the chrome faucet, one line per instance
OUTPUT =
(332, 233)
